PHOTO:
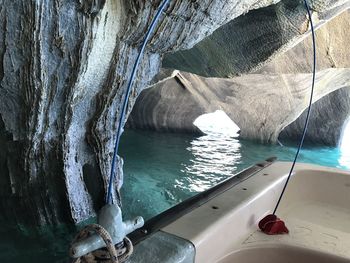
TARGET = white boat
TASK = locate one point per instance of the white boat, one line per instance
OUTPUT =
(221, 224)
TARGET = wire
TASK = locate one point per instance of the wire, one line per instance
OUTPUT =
(109, 198)
(309, 108)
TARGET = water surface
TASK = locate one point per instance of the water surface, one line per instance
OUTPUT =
(162, 170)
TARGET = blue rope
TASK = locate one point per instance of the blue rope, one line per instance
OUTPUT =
(309, 108)
(109, 198)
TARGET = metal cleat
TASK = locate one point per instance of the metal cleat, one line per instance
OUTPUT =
(110, 217)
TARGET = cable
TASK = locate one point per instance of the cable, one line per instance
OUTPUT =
(309, 108)
(109, 198)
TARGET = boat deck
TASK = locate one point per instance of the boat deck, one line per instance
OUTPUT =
(315, 208)
(326, 231)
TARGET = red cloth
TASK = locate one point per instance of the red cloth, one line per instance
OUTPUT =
(272, 225)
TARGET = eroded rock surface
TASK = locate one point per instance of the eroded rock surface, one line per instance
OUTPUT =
(327, 120)
(261, 105)
(249, 42)
(265, 101)
(65, 65)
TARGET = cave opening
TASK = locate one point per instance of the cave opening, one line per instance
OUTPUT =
(217, 122)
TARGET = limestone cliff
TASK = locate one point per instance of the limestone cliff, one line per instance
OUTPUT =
(261, 105)
(265, 101)
(327, 120)
(249, 42)
(63, 72)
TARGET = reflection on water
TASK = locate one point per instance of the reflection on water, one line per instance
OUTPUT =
(162, 170)
(174, 167)
(214, 157)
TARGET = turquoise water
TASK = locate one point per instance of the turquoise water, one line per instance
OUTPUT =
(162, 170)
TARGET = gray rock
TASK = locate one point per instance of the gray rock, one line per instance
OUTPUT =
(65, 65)
(260, 104)
(170, 106)
(249, 42)
(265, 101)
(327, 120)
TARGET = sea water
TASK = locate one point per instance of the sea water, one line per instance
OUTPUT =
(162, 170)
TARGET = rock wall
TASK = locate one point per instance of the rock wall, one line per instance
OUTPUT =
(265, 101)
(170, 106)
(332, 50)
(326, 121)
(249, 42)
(63, 72)
(261, 105)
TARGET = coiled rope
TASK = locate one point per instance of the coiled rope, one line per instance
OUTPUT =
(111, 254)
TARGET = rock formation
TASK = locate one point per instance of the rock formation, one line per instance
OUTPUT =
(65, 64)
(252, 40)
(265, 101)
(329, 114)
(261, 105)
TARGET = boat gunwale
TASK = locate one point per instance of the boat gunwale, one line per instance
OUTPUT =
(172, 214)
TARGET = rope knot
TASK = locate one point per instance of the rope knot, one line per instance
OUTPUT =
(118, 253)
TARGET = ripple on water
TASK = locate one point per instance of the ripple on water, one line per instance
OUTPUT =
(162, 170)
(177, 166)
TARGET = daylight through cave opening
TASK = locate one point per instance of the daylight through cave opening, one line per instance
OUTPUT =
(217, 122)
